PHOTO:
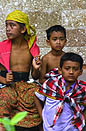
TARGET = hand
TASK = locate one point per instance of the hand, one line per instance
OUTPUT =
(2, 128)
(9, 77)
(74, 122)
(36, 62)
(85, 115)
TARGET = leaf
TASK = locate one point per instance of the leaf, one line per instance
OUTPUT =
(6, 124)
(9, 128)
(1, 120)
(19, 116)
(6, 120)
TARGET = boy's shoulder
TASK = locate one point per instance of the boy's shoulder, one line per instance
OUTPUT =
(50, 54)
(46, 56)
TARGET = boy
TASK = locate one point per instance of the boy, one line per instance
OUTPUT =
(63, 95)
(56, 39)
(16, 55)
(17, 52)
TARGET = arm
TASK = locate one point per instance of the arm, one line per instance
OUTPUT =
(85, 112)
(85, 115)
(36, 63)
(38, 105)
(35, 73)
(2, 128)
(8, 79)
(43, 71)
(2, 80)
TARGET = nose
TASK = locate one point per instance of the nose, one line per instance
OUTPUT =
(71, 70)
(7, 28)
(58, 41)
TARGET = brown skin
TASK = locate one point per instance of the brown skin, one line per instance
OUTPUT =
(2, 128)
(36, 67)
(70, 72)
(20, 59)
(38, 105)
(51, 60)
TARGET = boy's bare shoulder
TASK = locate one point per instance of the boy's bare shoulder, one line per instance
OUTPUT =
(46, 56)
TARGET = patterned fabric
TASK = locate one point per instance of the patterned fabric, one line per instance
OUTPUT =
(18, 98)
(52, 73)
(54, 88)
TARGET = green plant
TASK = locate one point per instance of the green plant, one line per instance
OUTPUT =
(9, 123)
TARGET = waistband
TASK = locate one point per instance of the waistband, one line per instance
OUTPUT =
(17, 76)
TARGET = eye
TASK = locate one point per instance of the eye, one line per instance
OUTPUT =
(54, 38)
(62, 38)
(67, 68)
(12, 25)
(76, 69)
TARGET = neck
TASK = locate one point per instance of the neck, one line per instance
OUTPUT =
(69, 84)
(18, 41)
(57, 53)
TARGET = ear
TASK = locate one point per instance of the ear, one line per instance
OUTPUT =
(65, 42)
(23, 30)
(81, 71)
(59, 70)
(48, 42)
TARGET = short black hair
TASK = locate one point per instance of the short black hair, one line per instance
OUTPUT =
(57, 28)
(70, 56)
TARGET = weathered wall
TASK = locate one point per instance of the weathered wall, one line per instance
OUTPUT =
(45, 13)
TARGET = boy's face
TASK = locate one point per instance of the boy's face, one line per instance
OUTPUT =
(13, 29)
(70, 71)
(57, 40)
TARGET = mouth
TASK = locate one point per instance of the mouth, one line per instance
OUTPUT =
(8, 34)
(71, 77)
(58, 47)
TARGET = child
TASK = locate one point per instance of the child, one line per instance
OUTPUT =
(56, 39)
(16, 55)
(19, 49)
(63, 95)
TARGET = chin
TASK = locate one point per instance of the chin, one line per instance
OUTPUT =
(10, 38)
(71, 81)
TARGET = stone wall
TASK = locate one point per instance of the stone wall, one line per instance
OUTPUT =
(45, 13)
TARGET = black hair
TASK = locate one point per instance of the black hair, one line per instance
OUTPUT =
(57, 28)
(22, 25)
(70, 56)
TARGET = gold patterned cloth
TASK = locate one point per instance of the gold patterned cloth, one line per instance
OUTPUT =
(18, 98)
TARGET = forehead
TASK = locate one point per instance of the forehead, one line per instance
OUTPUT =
(71, 64)
(57, 34)
(11, 21)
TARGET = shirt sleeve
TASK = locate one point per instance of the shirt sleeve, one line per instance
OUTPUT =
(40, 96)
